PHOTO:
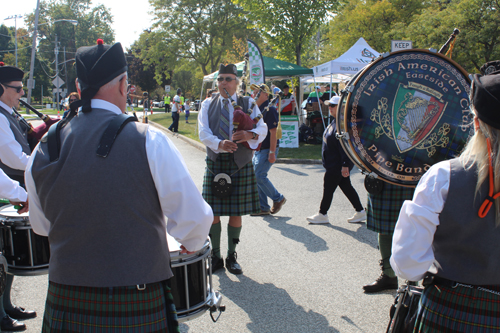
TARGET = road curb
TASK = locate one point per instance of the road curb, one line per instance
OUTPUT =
(201, 147)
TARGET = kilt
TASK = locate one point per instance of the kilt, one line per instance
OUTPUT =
(120, 309)
(460, 309)
(383, 208)
(245, 197)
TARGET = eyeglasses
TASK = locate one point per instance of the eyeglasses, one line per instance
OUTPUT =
(18, 89)
(227, 78)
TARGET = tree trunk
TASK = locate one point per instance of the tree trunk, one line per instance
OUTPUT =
(298, 51)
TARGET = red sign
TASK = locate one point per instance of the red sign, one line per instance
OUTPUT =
(132, 89)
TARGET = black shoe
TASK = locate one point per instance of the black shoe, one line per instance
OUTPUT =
(232, 265)
(217, 263)
(383, 282)
(20, 313)
(261, 213)
(11, 325)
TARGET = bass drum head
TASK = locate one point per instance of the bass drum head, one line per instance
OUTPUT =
(405, 112)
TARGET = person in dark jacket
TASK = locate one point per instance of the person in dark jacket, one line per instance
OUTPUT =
(338, 167)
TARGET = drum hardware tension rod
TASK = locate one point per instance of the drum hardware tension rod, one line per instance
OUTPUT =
(342, 136)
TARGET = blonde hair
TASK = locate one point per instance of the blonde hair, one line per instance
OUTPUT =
(476, 154)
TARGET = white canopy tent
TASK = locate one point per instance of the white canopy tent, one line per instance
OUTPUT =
(351, 62)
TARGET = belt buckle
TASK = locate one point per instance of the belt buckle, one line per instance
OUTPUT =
(141, 286)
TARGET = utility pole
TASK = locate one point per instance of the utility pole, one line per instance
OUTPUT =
(33, 50)
(56, 51)
(15, 17)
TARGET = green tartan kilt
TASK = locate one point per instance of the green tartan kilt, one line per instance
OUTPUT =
(71, 309)
(383, 208)
(460, 309)
(244, 199)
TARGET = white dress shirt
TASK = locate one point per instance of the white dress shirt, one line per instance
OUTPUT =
(412, 253)
(189, 216)
(10, 189)
(212, 141)
(11, 152)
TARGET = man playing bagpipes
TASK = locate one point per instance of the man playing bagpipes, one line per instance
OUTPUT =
(229, 184)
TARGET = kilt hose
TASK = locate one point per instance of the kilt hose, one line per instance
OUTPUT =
(72, 309)
(383, 208)
(245, 197)
(460, 309)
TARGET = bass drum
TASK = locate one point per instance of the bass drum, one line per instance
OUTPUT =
(404, 112)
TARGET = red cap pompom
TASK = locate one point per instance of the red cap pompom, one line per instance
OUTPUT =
(1, 63)
(100, 42)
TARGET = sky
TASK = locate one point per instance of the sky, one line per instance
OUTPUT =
(129, 20)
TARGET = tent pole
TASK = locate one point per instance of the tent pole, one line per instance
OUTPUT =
(319, 105)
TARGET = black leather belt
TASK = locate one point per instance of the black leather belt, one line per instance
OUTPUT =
(431, 279)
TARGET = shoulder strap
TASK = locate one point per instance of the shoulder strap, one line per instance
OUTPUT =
(54, 142)
(111, 133)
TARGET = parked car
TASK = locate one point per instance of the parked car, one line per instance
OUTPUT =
(196, 105)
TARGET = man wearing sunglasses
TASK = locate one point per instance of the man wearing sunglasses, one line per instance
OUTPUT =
(14, 156)
(227, 156)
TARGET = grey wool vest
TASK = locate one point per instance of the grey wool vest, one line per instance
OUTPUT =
(107, 228)
(21, 136)
(242, 156)
(466, 247)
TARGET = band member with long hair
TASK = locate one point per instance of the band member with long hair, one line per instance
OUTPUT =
(449, 233)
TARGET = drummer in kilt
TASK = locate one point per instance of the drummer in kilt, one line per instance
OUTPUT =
(104, 211)
(227, 155)
(382, 214)
(449, 233)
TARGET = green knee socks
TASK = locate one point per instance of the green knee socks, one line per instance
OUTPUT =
(214, 234)
(385, 246)
(233, 238)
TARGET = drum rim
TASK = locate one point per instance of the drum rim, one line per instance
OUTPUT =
(13, 219)
(362, 72)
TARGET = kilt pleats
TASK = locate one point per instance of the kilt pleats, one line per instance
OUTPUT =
(460, 309)
(244, 199)
(383, 208)
(122, 309)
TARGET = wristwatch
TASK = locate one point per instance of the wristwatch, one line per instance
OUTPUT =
(254, 135)
(271, 152)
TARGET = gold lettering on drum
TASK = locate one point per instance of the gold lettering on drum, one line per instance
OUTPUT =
(373, 148)
(380, 158)
(400, 167)
(426, 167)
(417, 170)
(388, 164)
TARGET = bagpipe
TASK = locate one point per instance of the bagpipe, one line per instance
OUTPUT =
(35, 133)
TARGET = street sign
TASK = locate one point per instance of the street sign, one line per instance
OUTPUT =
(167, 88)
(58, 82)
(132, 89)
(398, 45)
(31, 84)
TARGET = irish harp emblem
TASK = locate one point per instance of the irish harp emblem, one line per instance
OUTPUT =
(416, 111)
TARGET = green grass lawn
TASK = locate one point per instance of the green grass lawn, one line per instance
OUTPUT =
(305, 151)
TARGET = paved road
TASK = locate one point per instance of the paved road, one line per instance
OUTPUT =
(297, 277)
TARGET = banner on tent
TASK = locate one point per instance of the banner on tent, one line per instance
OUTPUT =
(290, 128)
(256, 64)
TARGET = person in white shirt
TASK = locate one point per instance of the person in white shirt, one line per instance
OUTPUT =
(229, 184)
(449, 233)
(176, 110)
(103, 204)
(14, 155)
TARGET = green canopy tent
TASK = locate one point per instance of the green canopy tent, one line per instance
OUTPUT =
(275, 70)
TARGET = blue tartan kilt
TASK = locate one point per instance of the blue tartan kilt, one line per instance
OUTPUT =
(244, 199)
(71, 309)
(459, 309)
(383, 208)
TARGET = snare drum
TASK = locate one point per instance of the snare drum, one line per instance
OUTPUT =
(192, 282)
(404, 112)
(26, 252)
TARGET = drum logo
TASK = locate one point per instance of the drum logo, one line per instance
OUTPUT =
(417, 109)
